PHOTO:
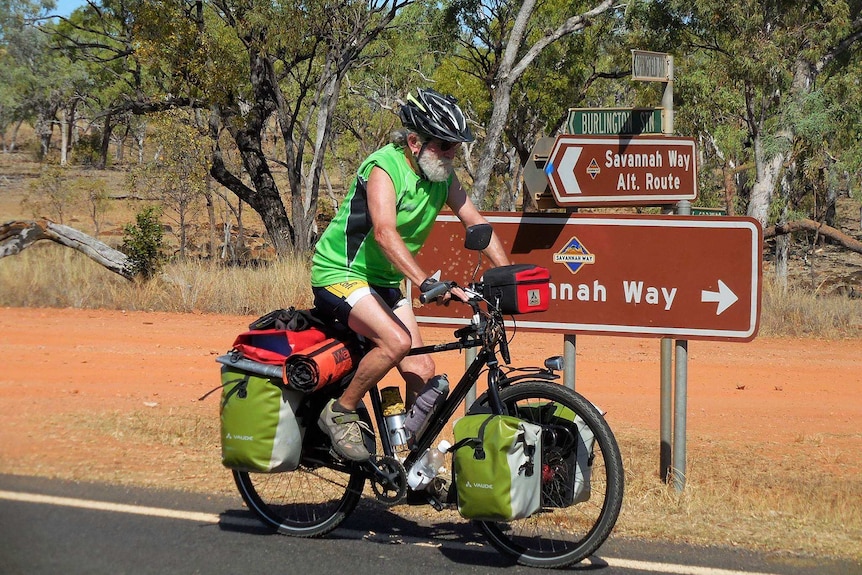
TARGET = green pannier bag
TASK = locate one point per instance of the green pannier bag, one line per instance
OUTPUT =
(568, 453)
(259, 429)
(497, 466)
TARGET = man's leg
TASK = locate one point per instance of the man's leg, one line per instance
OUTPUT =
(418, 369)
(371, 318)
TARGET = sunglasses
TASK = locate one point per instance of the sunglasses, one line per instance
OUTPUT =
(444, 146)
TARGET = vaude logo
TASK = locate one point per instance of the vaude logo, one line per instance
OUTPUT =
(479, 485)
(240, 437)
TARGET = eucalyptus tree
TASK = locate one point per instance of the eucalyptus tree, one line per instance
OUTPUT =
(499, 40)
(103, 38)
(765, 60)
(257, 68)
(35, 83)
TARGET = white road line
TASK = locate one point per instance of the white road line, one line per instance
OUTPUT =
(673, 569)
(667, 568)
(115, 507)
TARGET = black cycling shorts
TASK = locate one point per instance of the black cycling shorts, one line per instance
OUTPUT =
(337, 300)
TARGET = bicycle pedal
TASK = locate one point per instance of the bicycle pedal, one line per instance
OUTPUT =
(435, 503)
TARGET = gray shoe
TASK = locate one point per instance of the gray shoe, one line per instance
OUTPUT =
(345, 431)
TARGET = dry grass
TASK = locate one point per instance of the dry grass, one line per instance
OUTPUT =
(738, 495)
(48, 275)
(797, 312)
(54, 276)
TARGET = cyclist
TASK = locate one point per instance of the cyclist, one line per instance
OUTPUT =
(370, 247)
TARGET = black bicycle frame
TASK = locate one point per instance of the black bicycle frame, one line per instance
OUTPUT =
(439, 417)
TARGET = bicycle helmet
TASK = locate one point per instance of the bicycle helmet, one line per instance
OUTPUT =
(433, 114)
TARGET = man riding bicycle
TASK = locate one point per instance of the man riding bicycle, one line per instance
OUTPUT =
(370, 247)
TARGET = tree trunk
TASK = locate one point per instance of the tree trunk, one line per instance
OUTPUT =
(213, 243)
(502, 99)
(64, 137)
(264, 198)
(106, 142)
(768, 172)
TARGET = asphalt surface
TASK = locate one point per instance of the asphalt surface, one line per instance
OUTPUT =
(52, 527)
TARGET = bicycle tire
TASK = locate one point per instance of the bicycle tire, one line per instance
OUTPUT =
(559, 535)
(311, 500)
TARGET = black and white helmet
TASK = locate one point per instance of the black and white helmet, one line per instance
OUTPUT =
(433, 114)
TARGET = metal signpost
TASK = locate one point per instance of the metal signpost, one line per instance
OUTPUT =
(634, 170)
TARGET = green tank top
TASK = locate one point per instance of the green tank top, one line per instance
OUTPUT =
(347, 249)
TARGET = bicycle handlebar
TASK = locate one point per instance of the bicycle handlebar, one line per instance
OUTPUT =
(489, 328)
(437, 290)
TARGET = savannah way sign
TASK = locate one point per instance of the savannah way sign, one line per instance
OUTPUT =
(686, 277)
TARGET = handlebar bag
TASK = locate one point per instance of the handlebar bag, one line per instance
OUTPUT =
(497, 464)
(518, 288)
(273, 346)
(259, 429)
(567, 453)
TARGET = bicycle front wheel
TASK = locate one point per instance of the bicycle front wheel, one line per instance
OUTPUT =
(582, 479)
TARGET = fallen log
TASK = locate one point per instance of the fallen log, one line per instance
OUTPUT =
(838, 236)
(16, 236)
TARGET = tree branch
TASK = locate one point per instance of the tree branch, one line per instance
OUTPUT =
(812, 226)
(16, 236)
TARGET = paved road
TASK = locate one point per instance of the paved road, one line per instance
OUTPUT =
(49, 527)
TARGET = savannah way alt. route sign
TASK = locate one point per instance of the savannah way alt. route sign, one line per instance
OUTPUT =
(686, 277)
(623, 171)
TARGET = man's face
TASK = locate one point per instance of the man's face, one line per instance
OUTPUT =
(436, 159)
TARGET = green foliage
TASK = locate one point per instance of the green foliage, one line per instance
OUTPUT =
(142, 242)
(51, 195)
(177, 178)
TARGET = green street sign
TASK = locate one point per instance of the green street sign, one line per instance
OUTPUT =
(699, 211)
(614, 121)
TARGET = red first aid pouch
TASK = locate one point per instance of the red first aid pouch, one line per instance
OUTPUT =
(518, 288)
(273, 346)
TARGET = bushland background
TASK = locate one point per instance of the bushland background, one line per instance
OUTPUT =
(103, 379)
(240, 124)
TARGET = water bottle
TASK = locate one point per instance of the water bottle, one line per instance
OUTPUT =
(433, 394)
(395, 416)
(427, 467)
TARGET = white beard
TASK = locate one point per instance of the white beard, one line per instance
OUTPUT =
(436, 168)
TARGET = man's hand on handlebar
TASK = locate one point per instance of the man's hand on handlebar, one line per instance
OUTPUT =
(442, 291)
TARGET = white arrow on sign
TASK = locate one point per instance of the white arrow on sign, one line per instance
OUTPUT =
(566, 169)
(724, 297)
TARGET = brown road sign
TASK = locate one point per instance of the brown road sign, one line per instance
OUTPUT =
(629, 170)
(686, 277)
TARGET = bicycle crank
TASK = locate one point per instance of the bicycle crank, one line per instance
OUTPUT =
(388, 480)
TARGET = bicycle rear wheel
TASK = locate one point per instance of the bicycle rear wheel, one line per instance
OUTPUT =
(301, 503)
(313, 499)
(579, 508)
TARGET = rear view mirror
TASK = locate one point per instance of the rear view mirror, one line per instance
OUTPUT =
(478, 237)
